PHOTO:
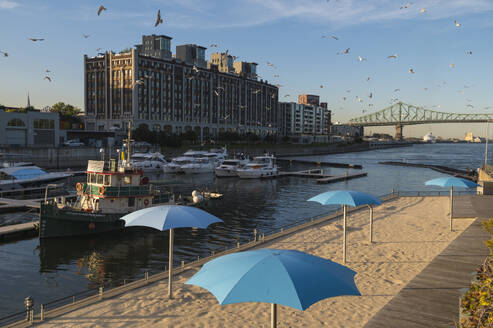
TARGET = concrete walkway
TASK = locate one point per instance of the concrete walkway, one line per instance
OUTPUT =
(431, 299)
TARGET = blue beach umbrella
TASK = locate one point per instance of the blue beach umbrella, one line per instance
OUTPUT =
(287, 277)
(345, 198)
(169, 217)
(451, 182)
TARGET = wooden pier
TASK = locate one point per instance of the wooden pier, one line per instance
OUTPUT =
(341, 178)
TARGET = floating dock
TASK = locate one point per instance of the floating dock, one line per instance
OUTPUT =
(322, 177)
(330, 164)
(19, 231)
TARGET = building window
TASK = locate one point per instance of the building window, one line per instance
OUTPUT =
(44, 124)
(16, 122)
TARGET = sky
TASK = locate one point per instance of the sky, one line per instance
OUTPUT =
(451, 64)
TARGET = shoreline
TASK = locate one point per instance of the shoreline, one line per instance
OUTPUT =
(383, 269)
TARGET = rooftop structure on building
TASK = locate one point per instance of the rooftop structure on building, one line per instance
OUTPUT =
(224, 62)
(148, 86)
(192, 54)
(309, 99)
(246, 69)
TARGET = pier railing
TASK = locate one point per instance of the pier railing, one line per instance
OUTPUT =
(66, 304)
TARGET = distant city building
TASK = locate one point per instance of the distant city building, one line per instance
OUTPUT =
(148, 86)
(302, 119)
(346, 130)
(192, 54)
(309, 100)
(28, 128)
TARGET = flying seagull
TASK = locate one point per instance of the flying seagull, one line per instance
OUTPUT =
(457, 24)
(395, 90)
(276, 75)
(35, 39)
(368, 78)
(47, 78)
(159, 20)
(256, 91)
(394, 56)
(406, 5)
(452, 65)
(195, 69)
(411, 70)
(100, 9)
(321, 87)
(469, 52)
(48, 71)
(270, 64)
(346, 51)
(99, 49)
(361, 58)
(423, 10)
(213, 45)
(4, 53)
(286, 95)
(139, 82)
(85, 36)
(469, 105)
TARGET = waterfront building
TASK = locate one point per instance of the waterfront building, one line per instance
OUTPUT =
(28, 128)
(308, 122)
(148, 86)
(346, 130)
(246, 69)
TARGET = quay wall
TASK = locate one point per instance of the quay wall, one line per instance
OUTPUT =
(77, 157)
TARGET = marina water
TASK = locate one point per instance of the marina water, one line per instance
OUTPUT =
(56, 268)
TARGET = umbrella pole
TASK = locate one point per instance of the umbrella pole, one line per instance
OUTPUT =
(273, 315)
(451, 205)
(344, 211)
(170, 270)
(371, 224)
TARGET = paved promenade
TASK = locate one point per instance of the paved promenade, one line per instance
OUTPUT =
(431, 299)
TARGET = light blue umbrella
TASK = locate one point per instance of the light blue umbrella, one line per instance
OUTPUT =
(451, 182)
(345, 198)
(286, 277)
(169, 217)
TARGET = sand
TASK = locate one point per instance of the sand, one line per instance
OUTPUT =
(408, 233)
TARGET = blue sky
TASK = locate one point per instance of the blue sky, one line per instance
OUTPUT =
(287, 33)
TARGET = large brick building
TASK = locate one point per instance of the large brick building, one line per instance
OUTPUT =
(147, 85)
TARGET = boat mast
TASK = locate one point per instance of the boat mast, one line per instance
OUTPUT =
(128, 140)
(486, 147)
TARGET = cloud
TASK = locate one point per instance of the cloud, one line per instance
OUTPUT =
(245, 13)
(5, 4)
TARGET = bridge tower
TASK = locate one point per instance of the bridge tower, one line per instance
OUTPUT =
(398, 132)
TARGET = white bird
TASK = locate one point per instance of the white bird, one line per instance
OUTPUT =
(426, 89)
(85, 36)
(159, 20)
(213, 45)
(139, 82)
(47, 78)
(368, 78)
(35, 39)
(256, 91)
(286, 95)
(321, 87)
(469, 52)
(344, 98)
(99, 49)
(411, 70)
(423, 10)
(469, 105)
(361, 58)
(457, 24)
(100, 9)
(195, 69)
(217, 93)
(394, 56)
(273, 96)
(395, 90)
(270, 64)
(371, 95)
(48, 71)
(452, 65)
(276, 75)
(346, 51)
(4, 53)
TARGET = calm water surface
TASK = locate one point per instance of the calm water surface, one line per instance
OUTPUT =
(52, 269)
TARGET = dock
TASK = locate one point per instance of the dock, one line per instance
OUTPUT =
(19, 231)
(322, 177)
(319, 163)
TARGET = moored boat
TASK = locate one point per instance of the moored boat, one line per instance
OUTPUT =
(260, 167)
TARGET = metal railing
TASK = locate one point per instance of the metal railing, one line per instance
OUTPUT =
(116, 287)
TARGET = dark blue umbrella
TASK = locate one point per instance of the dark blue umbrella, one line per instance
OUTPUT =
(286, 277)
(169, 217)
(451, 182)
(345, 198)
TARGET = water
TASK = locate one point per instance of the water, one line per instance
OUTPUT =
(58, 268)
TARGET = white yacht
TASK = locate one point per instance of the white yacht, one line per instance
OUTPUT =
(175, 166)
(200, 165)
(229, 167)
(194, 153)
(149, 162)
(23, 176)
(260, 167)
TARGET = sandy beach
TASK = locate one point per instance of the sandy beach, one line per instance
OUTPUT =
(408, 233)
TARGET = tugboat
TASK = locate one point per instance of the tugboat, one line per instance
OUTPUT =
(112, 190)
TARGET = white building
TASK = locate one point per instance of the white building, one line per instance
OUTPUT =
(301, 119)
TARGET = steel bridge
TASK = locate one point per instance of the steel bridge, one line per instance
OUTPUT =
(400, 114)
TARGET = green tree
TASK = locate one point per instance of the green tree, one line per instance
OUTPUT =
(65, 109)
